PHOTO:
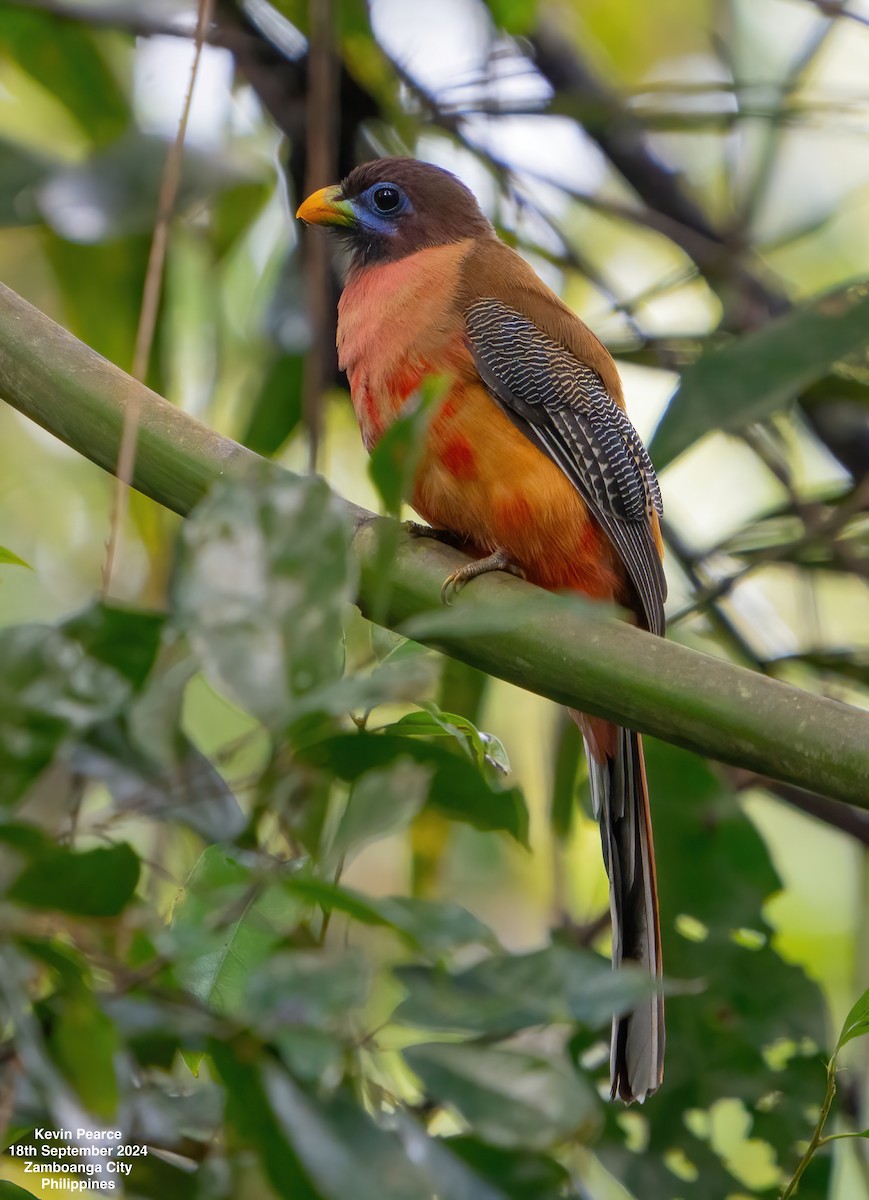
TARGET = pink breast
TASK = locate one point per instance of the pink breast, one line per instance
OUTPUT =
(397, 325)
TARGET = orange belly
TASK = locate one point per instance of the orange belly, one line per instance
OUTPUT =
(480, 477)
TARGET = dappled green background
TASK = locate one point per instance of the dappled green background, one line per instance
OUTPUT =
(216, 743)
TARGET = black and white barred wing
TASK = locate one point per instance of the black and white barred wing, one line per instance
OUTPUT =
(562, 406)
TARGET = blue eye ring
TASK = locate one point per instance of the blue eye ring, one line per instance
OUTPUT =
(387, 198)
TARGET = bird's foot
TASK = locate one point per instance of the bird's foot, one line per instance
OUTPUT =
(499, 561)
(448, 536)
(415, 529)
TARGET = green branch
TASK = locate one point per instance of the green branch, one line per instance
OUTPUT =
(564, 651)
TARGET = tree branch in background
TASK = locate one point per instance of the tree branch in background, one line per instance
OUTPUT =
(555, 647)
(844, 817)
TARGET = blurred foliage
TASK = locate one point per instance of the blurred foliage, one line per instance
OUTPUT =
(267, 901)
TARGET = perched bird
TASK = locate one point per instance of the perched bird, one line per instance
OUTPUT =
(529, 458)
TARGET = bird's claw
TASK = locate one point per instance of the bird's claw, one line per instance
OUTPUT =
(417, 530)
(498, 561)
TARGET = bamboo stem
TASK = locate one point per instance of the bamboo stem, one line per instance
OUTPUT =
(562, 650)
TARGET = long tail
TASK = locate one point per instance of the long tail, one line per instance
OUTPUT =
(621, 803)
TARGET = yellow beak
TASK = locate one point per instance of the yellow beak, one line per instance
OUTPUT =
(327, 208)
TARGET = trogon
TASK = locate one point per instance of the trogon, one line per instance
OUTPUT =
(529, 459)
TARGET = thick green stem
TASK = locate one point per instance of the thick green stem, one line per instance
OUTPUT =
(77, 395)
(562, 651)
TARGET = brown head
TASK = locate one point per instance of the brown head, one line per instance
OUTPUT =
(392, 207)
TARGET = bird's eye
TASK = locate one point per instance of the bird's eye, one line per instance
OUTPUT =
(386, 198)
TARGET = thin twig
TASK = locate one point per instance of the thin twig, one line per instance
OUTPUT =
(151, 303)
(838, 8)
(817, 1136)
(769, 156)
(853, 821)
(321, 141)
(816, 529)
(690, 564)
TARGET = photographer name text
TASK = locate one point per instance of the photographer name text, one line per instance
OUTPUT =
(78, 1160)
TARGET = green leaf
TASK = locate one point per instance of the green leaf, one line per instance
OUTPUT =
(521, 1175)
(276, 412)
(343, 1152)
(70, 967)
(262, 580)
(330, 896)
(26, 839)
(438, 927)
(155, 1029)
(319, 989)
(158, 1179)
(506, 993)
(21, 171)
(225, 923)
(54, 685)
(508, 1098)
(7, 557)
(330, 1149)
(249, 1114)
(92, 883)
(233, 211)
(188, 790)
(568, 759)
(435, 927)
(307, 1003)
(458, 789)
(104, 314)
(394, 459)
(123, 639)
(856, 1023)
(84, 1043)
(390, 683)
(515, 16)
(462, 688)
(749, 378)
(65, 58)
(483, 748)
(382, 802)
(11, 1191)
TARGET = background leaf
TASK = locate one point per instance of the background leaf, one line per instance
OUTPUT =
(225, 923)
(261, 584)
(504, 994)
(748, 379)
(67, 59)
(856, 1023)
(380, 803)
(457, 788)
(89, 883)
(509, 1099)
(7, 557)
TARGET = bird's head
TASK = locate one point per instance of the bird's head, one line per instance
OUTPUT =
(392, 207)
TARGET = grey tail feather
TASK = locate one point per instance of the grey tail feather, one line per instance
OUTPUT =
(621, 803)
